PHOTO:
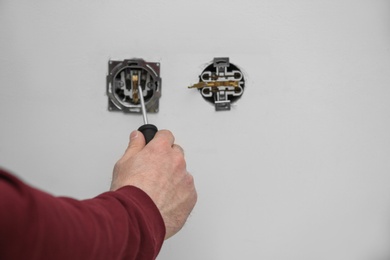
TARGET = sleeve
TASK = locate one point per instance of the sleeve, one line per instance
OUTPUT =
(124, 224)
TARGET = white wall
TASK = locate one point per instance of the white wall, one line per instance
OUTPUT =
(297, 170)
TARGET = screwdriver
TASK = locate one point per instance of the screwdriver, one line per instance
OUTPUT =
(148, 130)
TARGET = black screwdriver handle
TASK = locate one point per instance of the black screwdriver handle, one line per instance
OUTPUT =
(148, 131)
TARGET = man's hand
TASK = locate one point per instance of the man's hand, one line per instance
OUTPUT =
(159, 169)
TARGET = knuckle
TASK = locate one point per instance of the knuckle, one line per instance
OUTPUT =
(166, 132)
(191, 184)
(117, 166)
(195, 197)
(165, 136)
(178, 148)
(180, 162)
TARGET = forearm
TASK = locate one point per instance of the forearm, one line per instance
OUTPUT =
(114, 225)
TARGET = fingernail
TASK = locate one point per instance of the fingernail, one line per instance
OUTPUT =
(133, 135)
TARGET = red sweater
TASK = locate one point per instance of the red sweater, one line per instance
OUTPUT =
(124, 224)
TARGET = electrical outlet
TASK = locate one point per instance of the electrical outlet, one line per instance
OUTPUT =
(221, 83)
(122, 90)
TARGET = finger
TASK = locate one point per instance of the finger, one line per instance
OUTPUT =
(178, 148)
(136, 144)
(164, 136)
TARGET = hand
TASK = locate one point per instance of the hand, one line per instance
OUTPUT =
(159, 169)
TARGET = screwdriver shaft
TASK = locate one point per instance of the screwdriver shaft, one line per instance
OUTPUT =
(141, 97)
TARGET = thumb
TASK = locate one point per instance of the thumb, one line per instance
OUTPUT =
(136, 144)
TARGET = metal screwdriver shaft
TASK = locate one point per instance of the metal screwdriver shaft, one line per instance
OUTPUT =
(148, 130)
(141, 97)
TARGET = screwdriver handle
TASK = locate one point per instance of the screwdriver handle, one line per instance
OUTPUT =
(148, 130)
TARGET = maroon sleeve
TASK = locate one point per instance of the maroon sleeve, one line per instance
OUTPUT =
(124, 224)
